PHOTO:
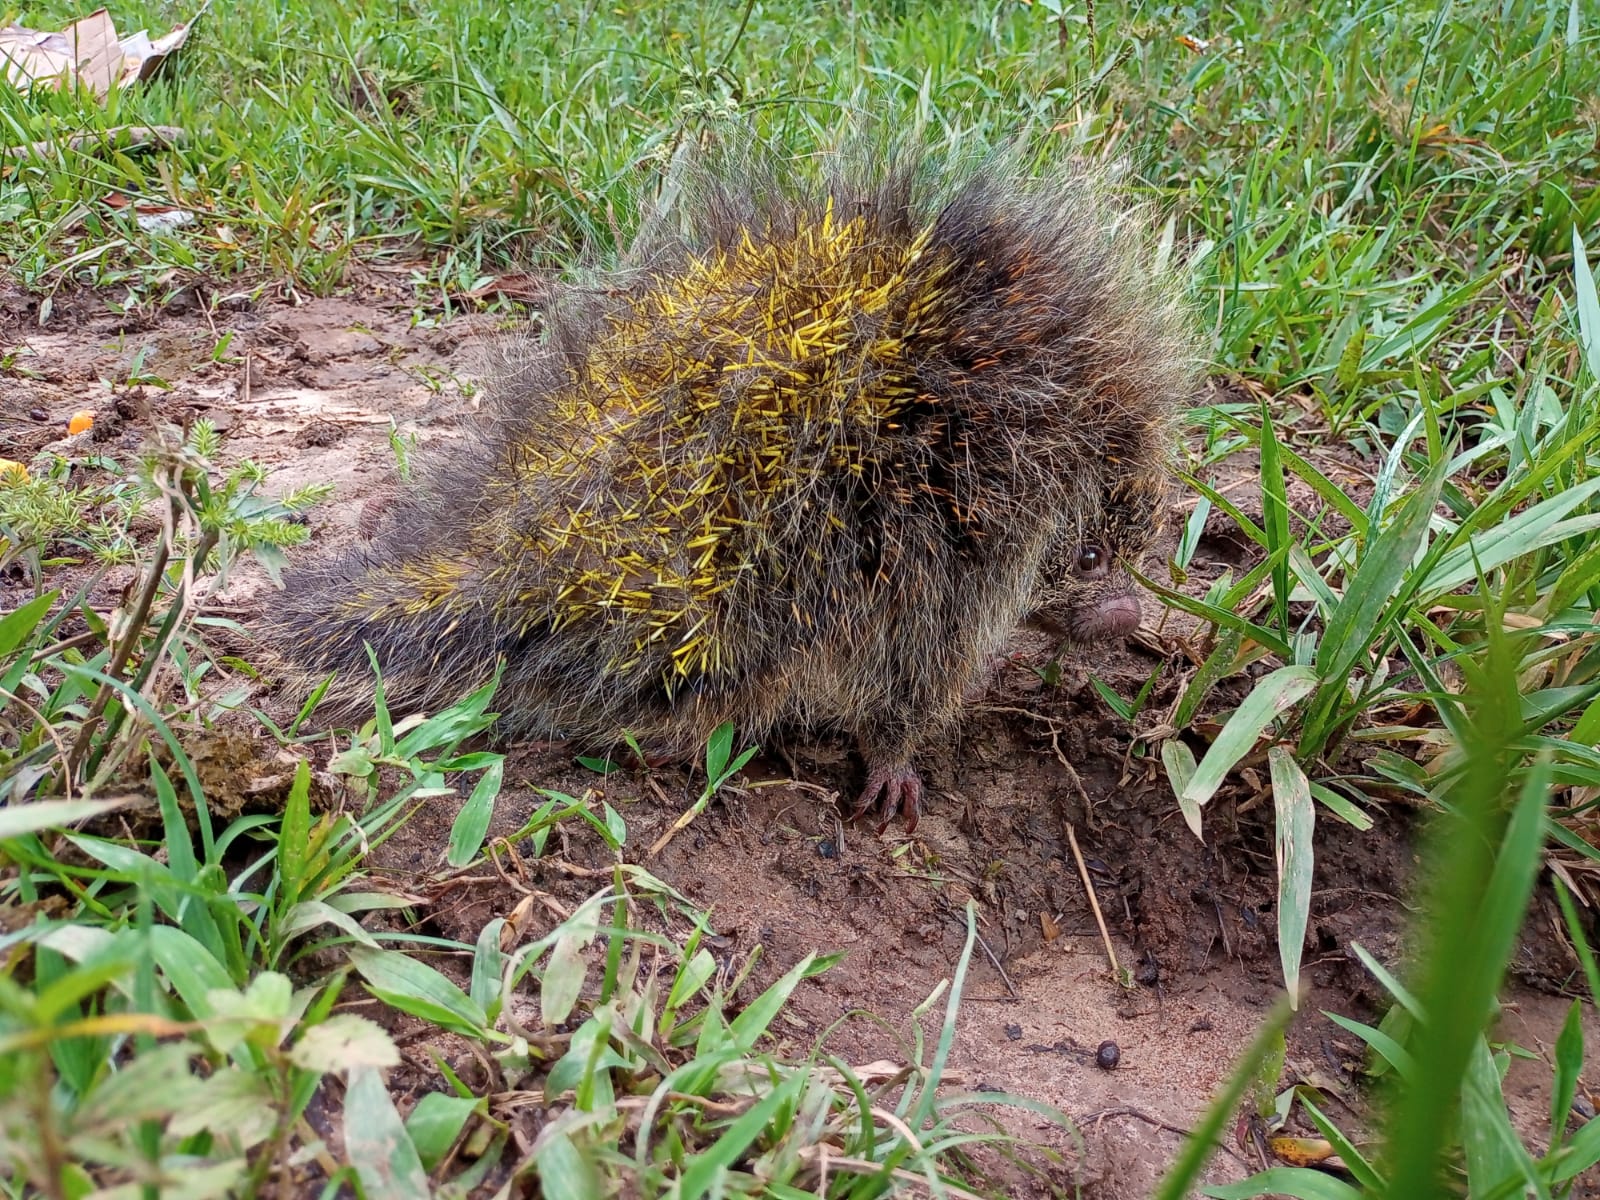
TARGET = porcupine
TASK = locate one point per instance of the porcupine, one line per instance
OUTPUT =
(798, 462)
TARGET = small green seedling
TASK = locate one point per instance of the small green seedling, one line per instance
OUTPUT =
(718, 771)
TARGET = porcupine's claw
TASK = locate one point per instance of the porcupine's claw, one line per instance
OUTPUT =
(899, 785)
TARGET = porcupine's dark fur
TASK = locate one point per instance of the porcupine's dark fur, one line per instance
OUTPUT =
(799, 463)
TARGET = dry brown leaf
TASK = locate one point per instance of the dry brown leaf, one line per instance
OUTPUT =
(1301, 1152)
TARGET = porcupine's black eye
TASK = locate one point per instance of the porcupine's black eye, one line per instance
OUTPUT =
(1091, 560)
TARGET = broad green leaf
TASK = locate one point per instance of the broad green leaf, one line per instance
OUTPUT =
(1221, 617)
(233, 1103)
(1273, 695)
(377, 1144)
(452, 726)
(564, 1173)
(80, 943)
(195, 974)
(1221, 662)
(1477, 908)
(1178, 759)
(1310, 578)
(354, 902)
(16, 626)
(1424, 324)
(262, 1014)
(562, 981)
(343, 1042)
(476, 760)
(1587, 730)
(1576, 578)
(436, 1121)
(294, 835)
(1494, 1154)
(1386, 1047)
(692, 975)
(19, 819)
(718, 747)
(1300, 1182)
(417, 988)
(488, 964)
(152, 1085)
(1113, 701)
(1296, 820)
(81, 982)
(1532, 529)
(1341, 807)
(1569, 1064)
(309, 914)
(1355, 1161)
(585, 1069)
(179, 846)
(1581, 1152)
(471, 825)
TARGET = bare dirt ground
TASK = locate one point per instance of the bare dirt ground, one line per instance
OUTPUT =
(309, 391)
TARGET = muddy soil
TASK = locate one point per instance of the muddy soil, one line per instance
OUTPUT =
(310, 391)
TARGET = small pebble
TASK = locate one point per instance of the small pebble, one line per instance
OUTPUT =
(827, 849)
(38, 414)
(1107, 1056)
(1014, 1032)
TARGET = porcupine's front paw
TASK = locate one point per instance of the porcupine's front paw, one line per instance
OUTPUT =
(891, 787)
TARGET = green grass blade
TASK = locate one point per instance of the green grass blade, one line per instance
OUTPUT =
(1482, 880)
(1273, 695)
(1275, 521)
(757, 1017)
(1569, 1063)
(1588, 304)
(1199, 1146)
(1296, 821)
(471, 825)
(1575, 930)
(705, 1167)
(1376, 585)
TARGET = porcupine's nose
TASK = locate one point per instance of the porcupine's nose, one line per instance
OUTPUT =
(1111, 619)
